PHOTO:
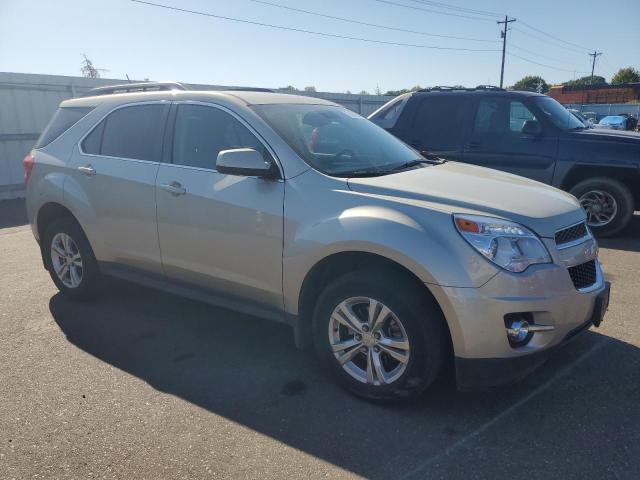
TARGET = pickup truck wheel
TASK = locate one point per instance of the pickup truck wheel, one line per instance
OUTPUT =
(608, 203)
(379, 335)
(69, 259)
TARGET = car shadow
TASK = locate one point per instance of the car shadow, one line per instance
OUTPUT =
(247, 370)
(13, 213)
(628, 239)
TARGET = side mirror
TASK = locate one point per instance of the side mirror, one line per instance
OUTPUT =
(245, 162)
(531, 127)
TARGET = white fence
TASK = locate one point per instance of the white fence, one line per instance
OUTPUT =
(27, 102)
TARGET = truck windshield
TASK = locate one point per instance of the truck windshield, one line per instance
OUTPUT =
(338, 142)
(559, 116)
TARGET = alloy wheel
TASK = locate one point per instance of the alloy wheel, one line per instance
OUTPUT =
(601, 207)
(369, 341)
(66, 260)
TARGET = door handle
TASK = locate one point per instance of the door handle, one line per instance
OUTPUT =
(174, 188)
(473, 145)
(87, 170)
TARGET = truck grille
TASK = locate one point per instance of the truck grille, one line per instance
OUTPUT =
(583, 275)
(571, 233)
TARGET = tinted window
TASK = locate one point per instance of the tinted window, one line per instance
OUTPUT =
(201, 132)
(388, 116)
(62, 120)
(91, 143)
(132, 132)
(439, 123)
(555, 112)
(501, 116)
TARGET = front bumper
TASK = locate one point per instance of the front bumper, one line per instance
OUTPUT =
(479, 373)
(476, 317)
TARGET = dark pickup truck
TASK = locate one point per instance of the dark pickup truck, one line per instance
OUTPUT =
(527, 134)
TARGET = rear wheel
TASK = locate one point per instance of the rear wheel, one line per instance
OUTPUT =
(608, 203)
(381, 336)
(69, 259)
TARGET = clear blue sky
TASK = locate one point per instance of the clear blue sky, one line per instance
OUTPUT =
(49, 36)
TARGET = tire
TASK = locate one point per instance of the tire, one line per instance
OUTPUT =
(82, 284)
(589, 191)
(421, 323)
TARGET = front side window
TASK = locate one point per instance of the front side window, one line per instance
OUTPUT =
(557, 114)
(501, 116)
(336, 141)
(201, 132)
(133, 132)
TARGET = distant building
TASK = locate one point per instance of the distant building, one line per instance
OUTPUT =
(626, 93)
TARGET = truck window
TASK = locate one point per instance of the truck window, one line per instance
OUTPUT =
(439, 123)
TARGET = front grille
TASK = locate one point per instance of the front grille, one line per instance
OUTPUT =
(583, 275)
(571, 233)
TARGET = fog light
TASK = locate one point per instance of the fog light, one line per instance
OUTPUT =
(518, 331)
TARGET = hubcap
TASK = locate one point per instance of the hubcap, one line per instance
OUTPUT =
(66, 260)
(369, 341)
(600, 206)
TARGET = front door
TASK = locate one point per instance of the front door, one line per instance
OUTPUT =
(496, 140)
(220, 232)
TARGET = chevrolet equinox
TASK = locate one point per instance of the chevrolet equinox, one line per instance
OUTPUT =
(301, 211)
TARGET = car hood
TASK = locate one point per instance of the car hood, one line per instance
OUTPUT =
(607, 134)
(459, 188)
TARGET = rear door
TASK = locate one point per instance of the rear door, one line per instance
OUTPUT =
(113, 184)
(219, 232)
(496, 140)
(440, 125)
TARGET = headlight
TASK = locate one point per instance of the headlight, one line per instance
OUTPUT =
(507, 244)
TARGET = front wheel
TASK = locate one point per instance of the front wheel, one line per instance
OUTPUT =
(380, 335)
(608, 203)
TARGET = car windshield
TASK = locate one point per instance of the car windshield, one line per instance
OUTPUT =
(559, 116)
(612, 120)
(336, 141)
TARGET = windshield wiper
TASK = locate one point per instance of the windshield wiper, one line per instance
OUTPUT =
(361, 173)
(416, 162)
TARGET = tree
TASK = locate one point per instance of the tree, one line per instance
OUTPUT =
(364, 92)
(625, 75)
(586, 81)
(290, 88)
(531, 83)
(310, 89)
(88, 70)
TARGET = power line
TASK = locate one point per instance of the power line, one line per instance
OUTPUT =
(357, 22)
(311, 32)
(549, 42)
(553, 36)
(412, 7)
(543, 64)
(513, 45)
(457, 8)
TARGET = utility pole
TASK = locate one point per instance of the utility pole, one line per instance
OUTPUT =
(506, 22)
(595, 54)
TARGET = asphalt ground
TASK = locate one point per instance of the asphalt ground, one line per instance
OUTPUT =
(142, 384)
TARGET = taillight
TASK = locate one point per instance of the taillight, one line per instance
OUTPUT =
(27, 163)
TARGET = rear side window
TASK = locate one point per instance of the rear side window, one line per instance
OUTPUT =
(62, 120)
(133, 132)
(440, 123)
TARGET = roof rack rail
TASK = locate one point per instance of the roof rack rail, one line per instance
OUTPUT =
(250, 89)
(136, 87)
(444, 88)
(489, 87)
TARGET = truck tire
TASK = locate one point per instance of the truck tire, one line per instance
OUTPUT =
(608, 202)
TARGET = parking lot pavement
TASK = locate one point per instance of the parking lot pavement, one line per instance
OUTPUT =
(141, 384)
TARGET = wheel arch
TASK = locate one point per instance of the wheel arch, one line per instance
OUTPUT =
(335, 265)
(48, 213)
(629, 176)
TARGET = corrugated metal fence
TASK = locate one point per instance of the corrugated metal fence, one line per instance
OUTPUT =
(27, 102)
